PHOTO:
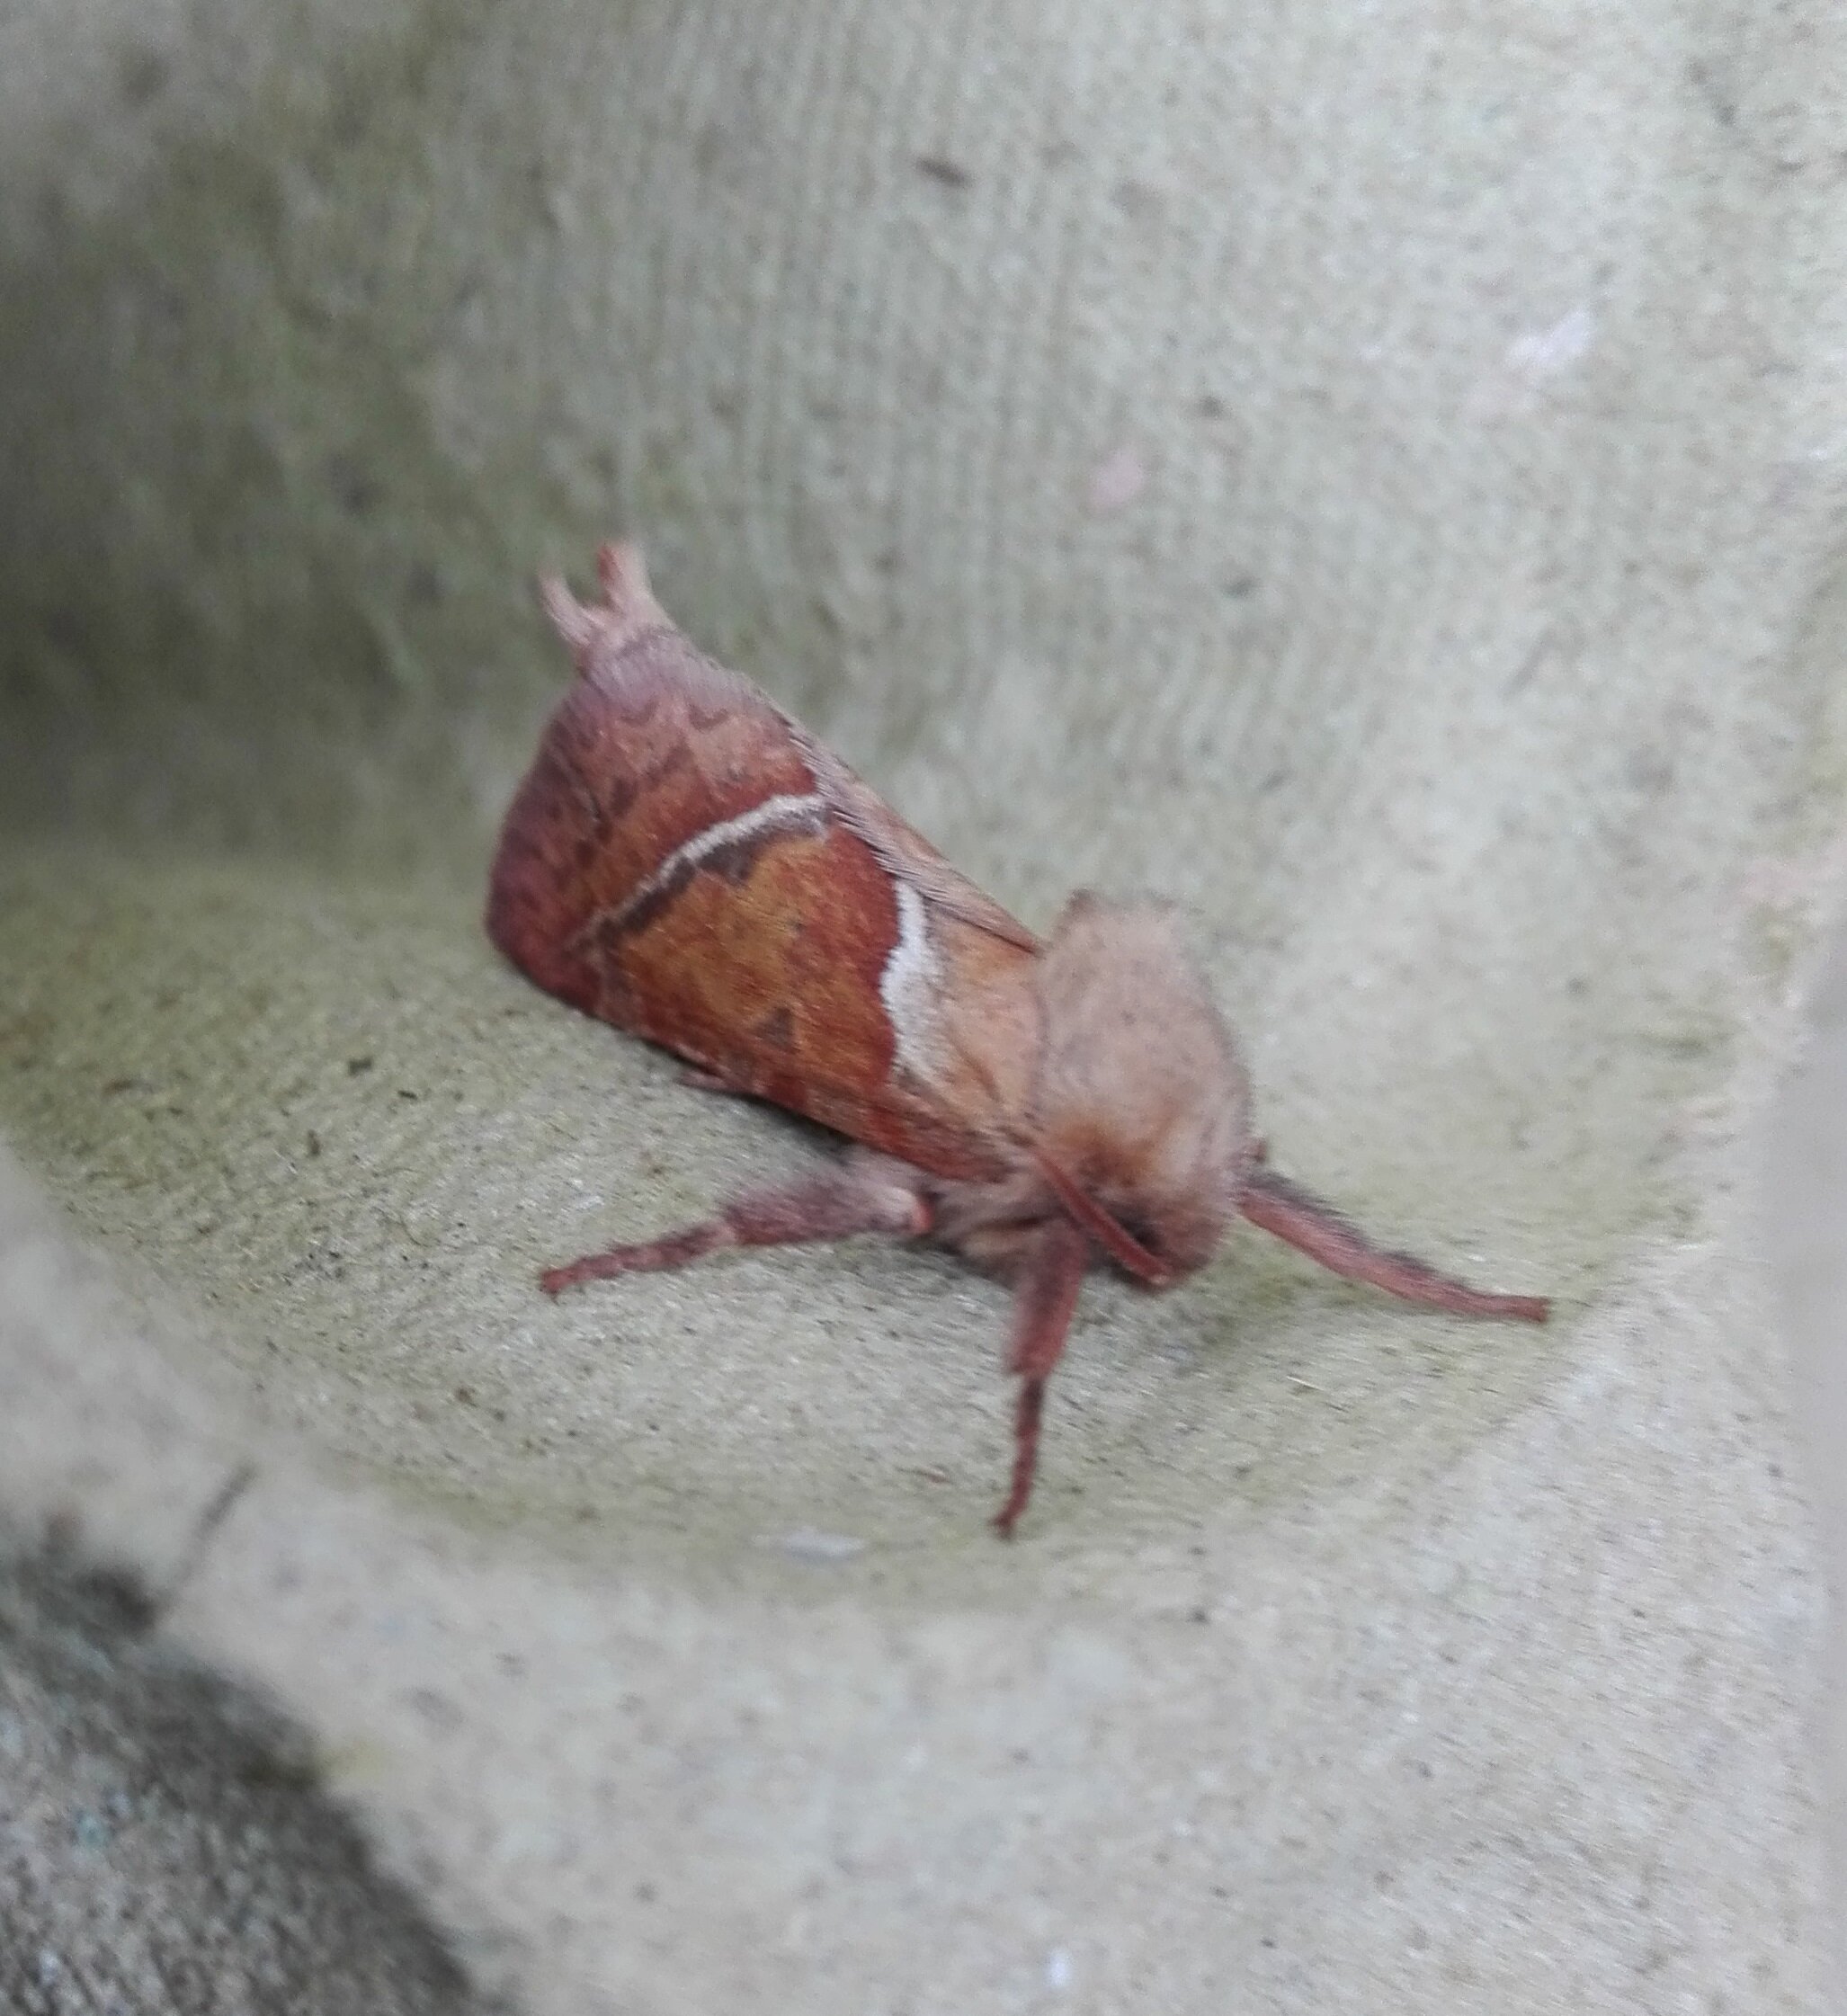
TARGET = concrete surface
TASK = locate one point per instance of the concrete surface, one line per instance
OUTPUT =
(1806, 1195)
(1374, 480)
(163, 1845)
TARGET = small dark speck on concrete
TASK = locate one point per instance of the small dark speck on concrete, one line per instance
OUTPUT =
(357, 1067)
(144, 75)
(939, 167)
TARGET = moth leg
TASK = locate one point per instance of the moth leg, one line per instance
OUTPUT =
(862, 1193)
(1045, 1287)
(1301, 1217)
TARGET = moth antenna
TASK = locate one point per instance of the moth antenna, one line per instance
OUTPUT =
(575, 624)
(1317, 1229)
(1115, 1238)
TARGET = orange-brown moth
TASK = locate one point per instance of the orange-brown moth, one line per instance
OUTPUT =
(687, 862)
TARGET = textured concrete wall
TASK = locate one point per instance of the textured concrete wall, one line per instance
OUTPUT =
(1372, 479)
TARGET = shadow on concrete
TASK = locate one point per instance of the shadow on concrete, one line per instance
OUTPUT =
(167, 1847)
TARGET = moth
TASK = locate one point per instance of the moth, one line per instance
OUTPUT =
(686, 861)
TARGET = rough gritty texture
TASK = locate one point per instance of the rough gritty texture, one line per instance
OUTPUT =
(1374, 481)
(162, 1845)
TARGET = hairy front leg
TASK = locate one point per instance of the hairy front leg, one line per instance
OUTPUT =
(861, 1193)
(1045, 1299)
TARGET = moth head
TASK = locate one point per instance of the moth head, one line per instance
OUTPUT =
(1141, 1109)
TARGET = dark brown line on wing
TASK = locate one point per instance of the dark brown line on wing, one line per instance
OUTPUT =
(732, 857)
(628, 680)
(776, 1030)
(677, 758)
